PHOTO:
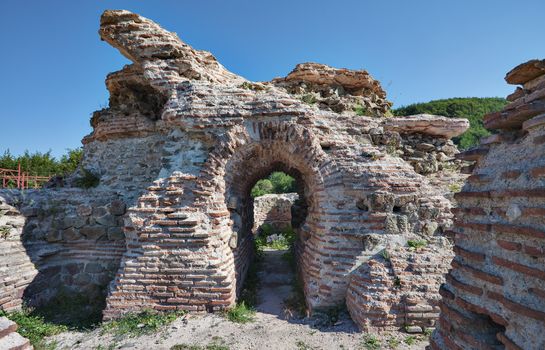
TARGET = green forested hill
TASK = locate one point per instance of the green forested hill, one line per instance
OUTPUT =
(472, 108)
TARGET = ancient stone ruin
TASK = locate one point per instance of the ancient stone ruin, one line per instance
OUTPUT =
(10, 339)
(159, 215)
(274, 210)
(494, 297)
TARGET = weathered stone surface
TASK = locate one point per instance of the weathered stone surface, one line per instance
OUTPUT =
(10, 339)
(525, 72)
(494, 294)
(274, 209)
(428, 124)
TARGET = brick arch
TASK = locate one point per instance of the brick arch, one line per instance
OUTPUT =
(254, 152)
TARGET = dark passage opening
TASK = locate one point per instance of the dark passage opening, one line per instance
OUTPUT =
(272, 209)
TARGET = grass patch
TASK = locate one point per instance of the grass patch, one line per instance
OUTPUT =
(415, 244)
(269, 237)
(360, 110)
(309, 99)
(301, 345)
(393, 342)
(217, 344)
(410, 340)
(66, 311)
(137, 324)
(87, 180)
(241, 313)
(370, 342)
(35, 328)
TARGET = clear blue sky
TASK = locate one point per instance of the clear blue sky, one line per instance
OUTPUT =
(54, 65)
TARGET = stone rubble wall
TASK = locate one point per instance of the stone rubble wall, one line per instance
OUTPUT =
(494, 296)
(62, 240)
(273, 209)
(125, 165)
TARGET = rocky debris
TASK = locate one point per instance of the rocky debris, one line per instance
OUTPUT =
(494, 295)
(527, 101)
(336, 89)
(428, 124)
(10, 339)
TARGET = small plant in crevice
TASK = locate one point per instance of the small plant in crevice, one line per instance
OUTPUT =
(253, 86)
(454, 187)
(428, 332)
(4, 231)
(385, 254)
(87, 180)
(360, 110)
(415, 244)
(393, 342)
(397, 282)
(410, 340)
(137, 324)
(309, 99)
(370, 342)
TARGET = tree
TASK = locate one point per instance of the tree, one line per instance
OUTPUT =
(42, 164)
(276, 182)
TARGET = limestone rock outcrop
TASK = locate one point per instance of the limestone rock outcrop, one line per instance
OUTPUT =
(176, 154)
(494, 296)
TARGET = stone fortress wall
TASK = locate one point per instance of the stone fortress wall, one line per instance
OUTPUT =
(494, 295)
(177, 152)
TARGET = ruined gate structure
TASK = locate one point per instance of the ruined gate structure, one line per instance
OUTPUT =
(176, 153)
(494, 295)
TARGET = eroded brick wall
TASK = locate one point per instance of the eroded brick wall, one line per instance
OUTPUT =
(494, 296)
(16, 269)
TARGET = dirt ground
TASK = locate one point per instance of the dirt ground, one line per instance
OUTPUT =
(269, 331)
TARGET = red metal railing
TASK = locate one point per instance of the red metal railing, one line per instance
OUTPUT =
(20, 179)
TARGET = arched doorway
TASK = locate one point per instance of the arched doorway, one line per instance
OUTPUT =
(277, 147)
